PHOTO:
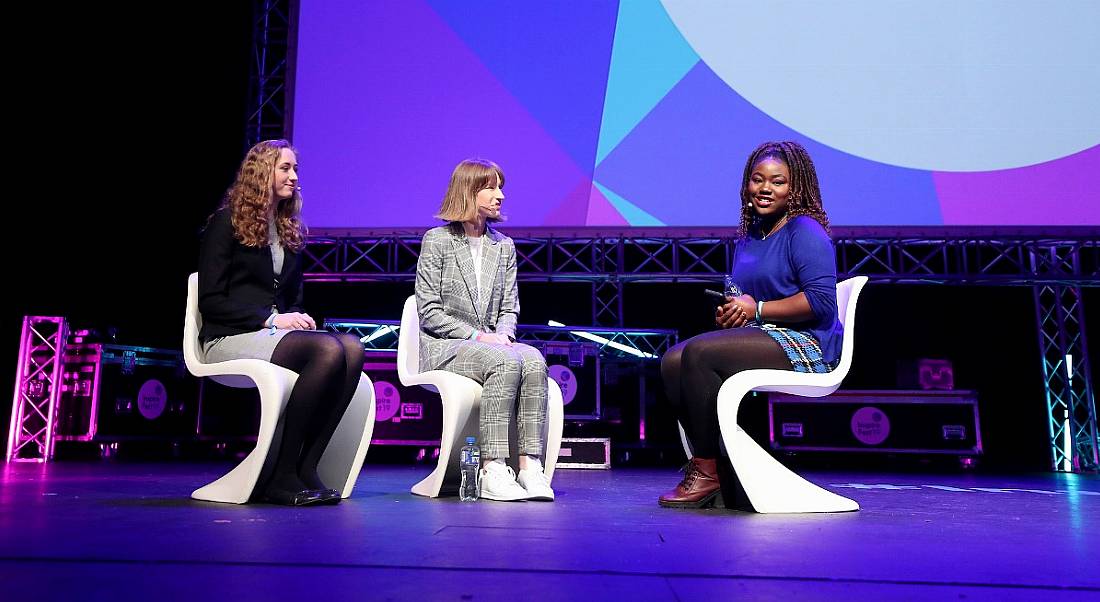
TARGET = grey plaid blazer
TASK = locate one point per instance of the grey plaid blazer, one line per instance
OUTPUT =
(445, 291)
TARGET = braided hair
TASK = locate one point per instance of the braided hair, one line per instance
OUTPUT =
(805, 197)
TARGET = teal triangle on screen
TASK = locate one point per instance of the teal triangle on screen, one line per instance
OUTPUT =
(648, 58)
(633, 214)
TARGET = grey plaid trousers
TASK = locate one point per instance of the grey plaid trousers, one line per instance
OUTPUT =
(507, 374)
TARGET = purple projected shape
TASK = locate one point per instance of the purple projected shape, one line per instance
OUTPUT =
(554, 57)
(1059, 192)
(601, 212)
(573, 211)
(388, 100)
(683, 163)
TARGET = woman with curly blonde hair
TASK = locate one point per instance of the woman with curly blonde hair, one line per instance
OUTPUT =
(250, 297)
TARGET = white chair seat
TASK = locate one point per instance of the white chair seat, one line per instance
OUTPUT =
(461, 399)
(343, 458)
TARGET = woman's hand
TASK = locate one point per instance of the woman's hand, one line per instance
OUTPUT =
(294, 321)
(736, 312)
(492, 338)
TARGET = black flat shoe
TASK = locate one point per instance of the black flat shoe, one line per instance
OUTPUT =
(331, 497)
(305, 497)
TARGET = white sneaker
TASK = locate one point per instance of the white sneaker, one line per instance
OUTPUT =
(535, 482)
(498, 482)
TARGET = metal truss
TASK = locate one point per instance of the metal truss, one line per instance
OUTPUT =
(972, 256)
(611, 257)
(271, 70)
(1071, 406)
(37, 389)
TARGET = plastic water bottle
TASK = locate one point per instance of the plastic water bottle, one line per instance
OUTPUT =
(470, 461)
(732, 290)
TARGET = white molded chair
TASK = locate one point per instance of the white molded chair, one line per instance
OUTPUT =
(770, 486)
(343, 458)
(461, 397)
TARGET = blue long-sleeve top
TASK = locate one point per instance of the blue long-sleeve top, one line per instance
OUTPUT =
(797, 258)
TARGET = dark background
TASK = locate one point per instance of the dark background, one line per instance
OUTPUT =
(129, 125)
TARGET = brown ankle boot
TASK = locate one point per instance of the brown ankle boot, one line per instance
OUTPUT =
(699, 487)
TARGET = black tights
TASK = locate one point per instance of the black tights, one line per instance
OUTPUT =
(695, 369)
(328, 367)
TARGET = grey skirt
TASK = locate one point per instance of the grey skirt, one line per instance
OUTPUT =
(249, 345)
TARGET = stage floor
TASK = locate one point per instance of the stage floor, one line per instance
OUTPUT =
(128, 531)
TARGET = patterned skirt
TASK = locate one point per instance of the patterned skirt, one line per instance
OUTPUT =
(801, 347)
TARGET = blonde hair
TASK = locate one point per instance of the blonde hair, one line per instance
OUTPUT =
(250, 196)
(469, 177)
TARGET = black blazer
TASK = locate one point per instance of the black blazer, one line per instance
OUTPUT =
(237, 284)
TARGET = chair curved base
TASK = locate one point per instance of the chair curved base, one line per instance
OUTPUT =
(773, 488)
(343, 458)
(769, 486)
(461, 398)
(555, 421)
(236, 486)
(342, 461)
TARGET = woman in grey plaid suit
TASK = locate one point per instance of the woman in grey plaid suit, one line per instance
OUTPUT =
(468, 303)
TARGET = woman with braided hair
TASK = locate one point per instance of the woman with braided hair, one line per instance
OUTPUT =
(785, 318)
